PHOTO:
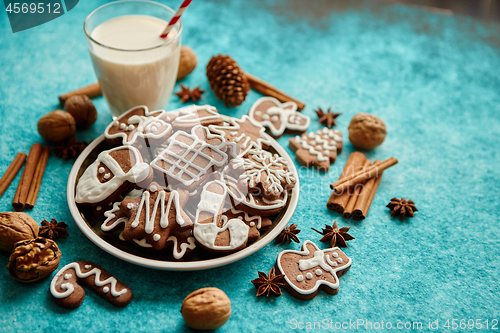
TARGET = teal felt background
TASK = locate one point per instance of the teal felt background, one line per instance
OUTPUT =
(432, 78)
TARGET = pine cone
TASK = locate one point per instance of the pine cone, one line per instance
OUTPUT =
(227, 80)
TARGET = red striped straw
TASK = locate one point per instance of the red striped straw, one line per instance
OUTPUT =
(176, 18)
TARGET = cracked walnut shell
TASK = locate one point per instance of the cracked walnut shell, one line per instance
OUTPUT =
(15, 227)
(366, 131)
(34, 259)
(206, 309)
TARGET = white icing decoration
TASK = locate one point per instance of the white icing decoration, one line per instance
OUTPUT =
(184, 246)
(284, 113)
(339, 260)
(140, 123)
(130, 127)
(330, 262)
(143, 242)
(107, 176)
(320, 143)
(153, 188)
(189, 114)
(185, 161)
(164, 211)
(67, 276)
(101, 170)
(110, 214)
(319, 272)
(252, 224)
(130, 205)
(206, 233)
(105, 290)
(309, 276)
(90, 190)
(115, 123)
(258, 164)
(97, 281)
(156, 237)
(335, 255)
(300, 278)
(317, 260)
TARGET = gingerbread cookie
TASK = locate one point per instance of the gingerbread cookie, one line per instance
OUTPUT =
(256, 223)
(193, 115)
(67, 292)
(209, 230)
(317, 149)
(264, 173)
(155, 215)
(139, 122)
(245, 132)
(189, 157)
(113, 172)
(279, 117)
(312, 269)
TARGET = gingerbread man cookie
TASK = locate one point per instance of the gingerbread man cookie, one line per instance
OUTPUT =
(155, 215)
(113, 172)
(256, 223)
(317, 149)
(279, 117)
(312, 269)
(67, 292)
(139, 122)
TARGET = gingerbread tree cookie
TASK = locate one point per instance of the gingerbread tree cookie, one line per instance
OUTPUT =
(312, 269)
(317, 149)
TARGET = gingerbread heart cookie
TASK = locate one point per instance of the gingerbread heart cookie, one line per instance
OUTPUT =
(155, 215)
(67, 292)
(112, 173)
(278, 117)
(139, 122)
(312, 269)
(317, 149)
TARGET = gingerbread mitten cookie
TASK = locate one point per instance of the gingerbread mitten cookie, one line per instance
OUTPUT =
(113, 172)
(312, 269)
(317, 149)
(67, 292)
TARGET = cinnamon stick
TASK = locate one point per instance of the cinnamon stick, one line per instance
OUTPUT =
(92, 90)
(37, 179)
(267, 89)
(338, 201)
(373, 171)
(25, 182)
(365, 199)
(11, 172)
(355, 194)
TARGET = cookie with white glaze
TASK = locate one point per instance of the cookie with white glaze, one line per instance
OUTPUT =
(311, 269)
(66, 286)
(194, 115)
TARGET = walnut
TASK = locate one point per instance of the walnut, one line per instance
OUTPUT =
(206, 309)
(15, 227)
(34, 259)
(187, 62)
(82, 109)
(56, 126)
(366, 131)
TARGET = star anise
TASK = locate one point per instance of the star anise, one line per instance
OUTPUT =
(53, 229)
(69, 148)
(402, 207)
(327, 118)
(266, 284)
(186, 94)
(287, 235)
(334, 235)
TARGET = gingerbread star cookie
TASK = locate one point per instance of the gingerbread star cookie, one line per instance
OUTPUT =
(317, 149)
(312, 269)
(155, 215)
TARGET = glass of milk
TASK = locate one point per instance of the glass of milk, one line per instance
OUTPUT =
(133, 64)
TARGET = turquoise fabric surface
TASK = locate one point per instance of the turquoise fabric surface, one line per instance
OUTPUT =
(432, 78)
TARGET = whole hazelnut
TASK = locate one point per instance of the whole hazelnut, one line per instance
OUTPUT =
(82, 109)
(206, 309)
(366, 131)
(15, 227)
(187, 62)
(34, 259)
(56, 126)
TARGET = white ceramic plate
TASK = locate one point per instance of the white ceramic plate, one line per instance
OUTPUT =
(278, 223)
